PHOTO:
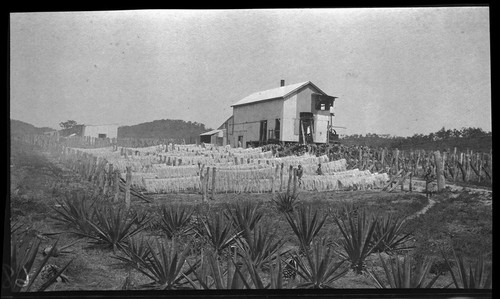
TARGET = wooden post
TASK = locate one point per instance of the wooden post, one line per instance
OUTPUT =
(479, 167)
(397, 159)
(273, 179)
(205, 184)
(411, 177)
(281, 177)
(290, 174)
(213, 183)
(294, 182)
(439, 171)
(202, 181)
(382, 158)
(467, 167)
(128, 182)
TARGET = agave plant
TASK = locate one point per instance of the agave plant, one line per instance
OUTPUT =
(388, 235)
(75, 213)
(163, 265)
(113, 229)
(23, 256)
(134, 250)
(208, 274)
(358, 239)
(306, 225)
(478, 277)
(175, 221)
(286, 203)
(262, 247)
(218, 233)
(318, 269)
(244, 217)
(404, 274)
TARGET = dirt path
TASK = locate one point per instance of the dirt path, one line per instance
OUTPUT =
(419, 186)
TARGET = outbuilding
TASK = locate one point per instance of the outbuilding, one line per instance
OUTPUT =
(213, 137)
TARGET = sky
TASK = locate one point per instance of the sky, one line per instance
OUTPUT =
(398, 71)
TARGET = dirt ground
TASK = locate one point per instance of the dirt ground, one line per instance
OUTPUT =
(458, 218)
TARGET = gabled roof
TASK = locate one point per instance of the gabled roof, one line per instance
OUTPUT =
(275, 93)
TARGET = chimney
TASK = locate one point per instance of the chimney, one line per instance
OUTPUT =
(282, 83)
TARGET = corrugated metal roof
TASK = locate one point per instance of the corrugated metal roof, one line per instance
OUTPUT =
(274, 93)
(210, 132)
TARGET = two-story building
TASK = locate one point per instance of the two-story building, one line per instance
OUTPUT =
(299, 112)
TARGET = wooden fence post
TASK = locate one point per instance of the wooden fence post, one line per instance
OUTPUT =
(290, 174)
(294, 182)
(439, 171)
(128, 182)
(281, 177)
(274, 178)
(213, 183)
(205, 184)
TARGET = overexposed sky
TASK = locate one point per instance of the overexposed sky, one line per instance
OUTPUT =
(396, 71)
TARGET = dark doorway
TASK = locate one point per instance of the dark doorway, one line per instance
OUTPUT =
(263, 131)
(306, 128)
(101, 135)
(277, 126)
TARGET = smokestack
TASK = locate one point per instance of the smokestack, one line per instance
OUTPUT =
(282, 83)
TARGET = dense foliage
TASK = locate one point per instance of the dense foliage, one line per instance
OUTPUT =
(466, 138)
(164, 128)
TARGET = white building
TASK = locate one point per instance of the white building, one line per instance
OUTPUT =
(101, 131)
(290, 113)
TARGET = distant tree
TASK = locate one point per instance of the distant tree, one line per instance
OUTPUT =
(441, 134)
(68, 124)
(456, 133)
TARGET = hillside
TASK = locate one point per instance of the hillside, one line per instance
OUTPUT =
(164, 128)
(18, 128)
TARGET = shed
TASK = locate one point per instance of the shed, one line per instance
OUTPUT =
(213, 137)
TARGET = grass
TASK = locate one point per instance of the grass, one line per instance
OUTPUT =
(463, 223)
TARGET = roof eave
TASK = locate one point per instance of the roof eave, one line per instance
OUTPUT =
(260, 101)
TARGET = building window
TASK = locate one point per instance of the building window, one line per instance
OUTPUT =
(322, 102)
(101, 135)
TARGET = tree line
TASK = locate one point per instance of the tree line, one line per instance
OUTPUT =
(465, 138)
